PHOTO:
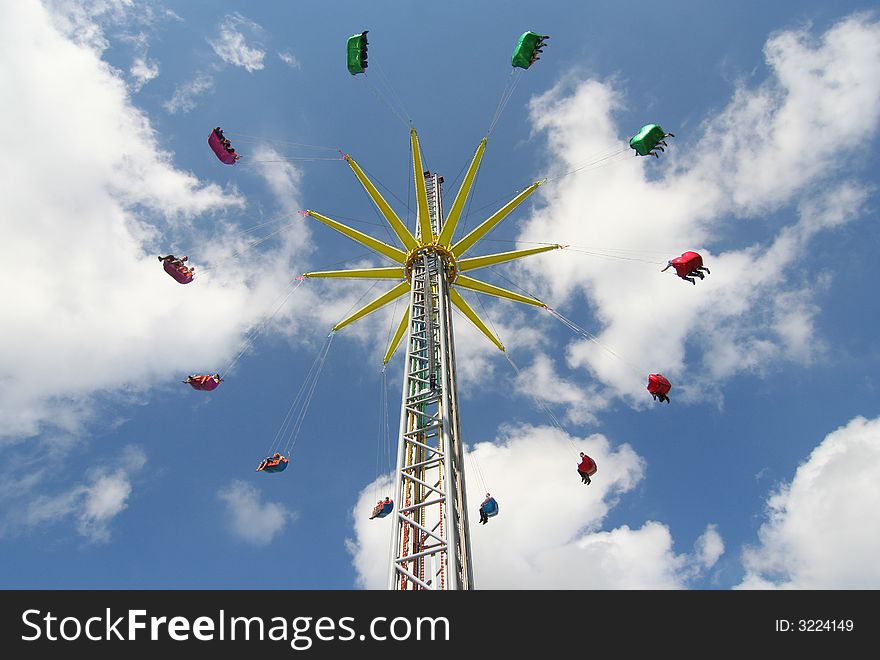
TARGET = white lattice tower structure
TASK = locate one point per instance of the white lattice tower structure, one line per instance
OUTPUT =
(430, 544)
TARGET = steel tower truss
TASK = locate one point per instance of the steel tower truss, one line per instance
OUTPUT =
(430, 546)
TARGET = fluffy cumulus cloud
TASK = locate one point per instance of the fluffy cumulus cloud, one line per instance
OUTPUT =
(96, 197)
(747, 164)
(819, 531)
(231, 43)
(90, 506)
(536, 546)
(249, 517)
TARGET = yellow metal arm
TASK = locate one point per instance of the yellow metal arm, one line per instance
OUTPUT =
(398, 335)
(463, 192)
(392, 273)
(460, 302)
(493, 259)
(426, 236)
(468, 241)
(476, 285)
(381, 301)
(378, 246)
(397, 225)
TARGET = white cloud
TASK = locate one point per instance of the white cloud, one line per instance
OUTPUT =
(820, 531)
(232, 47)
(289, 60)
(282, 176)
(249, 517)
(90, 313)
(373, 537)
(184, 97)
(822, 101)
(541, 381)
(104, 499)
(92, 505)
(779, 145)
(81, 22)
(709, 547)
(477, 358)
(84, 22)
(143, 70)
(550, 525)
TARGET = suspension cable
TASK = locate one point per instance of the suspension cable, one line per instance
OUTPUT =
(383, 224)
(288, 417)
(512, 81)
(478, 471)
(573, 326)
(260, 327)
(615, 256)
(246, 163)
(390, 192)
(393, 93)
(383, 439)
(363, 295)
(467, 212)
(250, 246)
(257, 138)
(384, 100)
(553, 419)
(297, 425)
(586, 249)
(604, 161)
(595, 163)
(242, 233)
(296, 413)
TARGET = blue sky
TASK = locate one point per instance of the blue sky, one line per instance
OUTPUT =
(763, 472)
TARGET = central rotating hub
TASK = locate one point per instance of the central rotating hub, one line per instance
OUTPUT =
(450, 267)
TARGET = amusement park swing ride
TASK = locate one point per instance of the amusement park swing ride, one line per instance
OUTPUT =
(431, 546)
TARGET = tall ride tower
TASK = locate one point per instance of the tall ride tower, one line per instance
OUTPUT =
(430, 545)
